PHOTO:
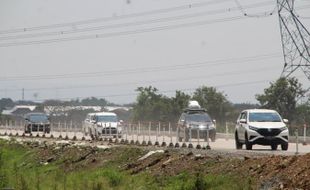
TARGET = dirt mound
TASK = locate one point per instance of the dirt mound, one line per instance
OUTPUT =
(277, 172)
(264, 172)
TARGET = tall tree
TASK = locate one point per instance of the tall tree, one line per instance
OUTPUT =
(282, 96)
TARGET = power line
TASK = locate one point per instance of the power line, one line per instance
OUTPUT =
(164, 91)
(136, 23)
(104, 19)
(214, 75)
(265, 14)
(125, 33)
(145, 69)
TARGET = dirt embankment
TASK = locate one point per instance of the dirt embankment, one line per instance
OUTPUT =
(264, 172)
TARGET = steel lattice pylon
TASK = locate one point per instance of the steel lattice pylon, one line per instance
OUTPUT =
(295, 40)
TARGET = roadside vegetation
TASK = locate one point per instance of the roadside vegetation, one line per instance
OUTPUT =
(38, 167)
(282, 95)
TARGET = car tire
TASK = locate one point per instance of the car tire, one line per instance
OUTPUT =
(248, 145)
(238, 143)
(284, 146)
(274, 146)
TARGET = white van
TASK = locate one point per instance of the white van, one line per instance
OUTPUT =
(102, 123)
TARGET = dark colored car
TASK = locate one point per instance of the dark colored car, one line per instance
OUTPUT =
(194, 121)
(37, 122)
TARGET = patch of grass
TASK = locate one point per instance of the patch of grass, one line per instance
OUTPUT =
(21, 170)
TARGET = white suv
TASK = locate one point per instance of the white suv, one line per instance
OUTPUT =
(102, 123)
(263, 127)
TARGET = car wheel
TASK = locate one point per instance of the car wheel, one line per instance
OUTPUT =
(238, 144)
(248, 144)
(274, 146)
(284, 146)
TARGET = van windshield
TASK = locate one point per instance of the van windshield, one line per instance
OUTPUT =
(264, 117)
(106, 118)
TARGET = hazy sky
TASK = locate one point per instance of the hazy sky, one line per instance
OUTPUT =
(169, 44)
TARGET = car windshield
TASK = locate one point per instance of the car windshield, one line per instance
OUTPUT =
(106, 118)
(198, 117)
(38, 118)
(264, 117)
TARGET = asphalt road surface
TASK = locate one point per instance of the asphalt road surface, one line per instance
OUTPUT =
(222, 143)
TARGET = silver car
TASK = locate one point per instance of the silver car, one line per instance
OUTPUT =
(196, 123)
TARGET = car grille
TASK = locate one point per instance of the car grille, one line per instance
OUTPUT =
(269, 132)
(109, 130)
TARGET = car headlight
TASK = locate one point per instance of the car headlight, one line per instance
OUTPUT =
(253, 128)
(283, 128)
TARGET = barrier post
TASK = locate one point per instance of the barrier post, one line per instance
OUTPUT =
(198, 135)
(149, 143)
(190, 145)
(296, 134)
(143, 136)
(305, 135)
(60, 130)
(208, 139)
(132, 141)
(111, 136)
(177, 145)
(163, 144)
(157, 133)
(170, 135)
(226, 131)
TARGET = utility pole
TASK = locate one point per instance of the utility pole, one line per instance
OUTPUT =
(23, 94)
(295, 40)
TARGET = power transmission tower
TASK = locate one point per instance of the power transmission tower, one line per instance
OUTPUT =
(295, 40)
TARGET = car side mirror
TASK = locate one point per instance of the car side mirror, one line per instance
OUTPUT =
(285, 120)
(242, 120)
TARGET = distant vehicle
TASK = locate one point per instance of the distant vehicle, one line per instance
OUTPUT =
(195, 119)
(37, 122)
(102, 123)
(263, 127)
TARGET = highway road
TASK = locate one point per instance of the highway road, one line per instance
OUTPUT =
(223, 142)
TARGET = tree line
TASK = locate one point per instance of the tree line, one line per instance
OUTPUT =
(150, 105)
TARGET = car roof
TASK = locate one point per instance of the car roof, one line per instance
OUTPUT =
(260, 111)
(194, 110)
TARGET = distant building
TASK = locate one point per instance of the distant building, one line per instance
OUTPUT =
(19, 110)
(113, 108)
(63, 110)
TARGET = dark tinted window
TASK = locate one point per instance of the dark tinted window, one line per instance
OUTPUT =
(38, 118)
(106, 118)
(198, 117)
(264, 117)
